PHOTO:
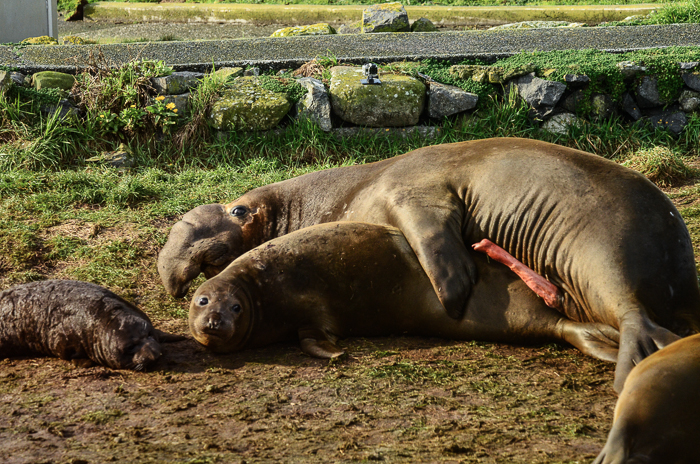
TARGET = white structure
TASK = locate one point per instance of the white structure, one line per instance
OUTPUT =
(20, 19)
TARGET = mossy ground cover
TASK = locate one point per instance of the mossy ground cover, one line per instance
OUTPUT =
(397, 399)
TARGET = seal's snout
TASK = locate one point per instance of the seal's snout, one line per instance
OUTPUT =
(214, 321)
(148, 353)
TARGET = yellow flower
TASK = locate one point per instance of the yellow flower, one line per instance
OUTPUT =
(102, 115)
(160, 98)
(170, 106)
(175, 110)
(133, 106)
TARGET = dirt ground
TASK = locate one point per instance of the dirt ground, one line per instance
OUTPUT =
(395, 399)
(390, 400)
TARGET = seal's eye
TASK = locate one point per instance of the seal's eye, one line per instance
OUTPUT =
(239, 211)
(203, 301)
(236, 309)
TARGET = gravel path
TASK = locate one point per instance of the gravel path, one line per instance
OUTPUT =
(294, 51)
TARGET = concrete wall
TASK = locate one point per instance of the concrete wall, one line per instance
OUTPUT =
(20, 19)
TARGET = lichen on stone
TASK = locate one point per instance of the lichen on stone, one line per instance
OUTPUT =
(41, 40)
(313, 29)
(248, 106)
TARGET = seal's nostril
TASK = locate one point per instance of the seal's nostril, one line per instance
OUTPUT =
(214, 321)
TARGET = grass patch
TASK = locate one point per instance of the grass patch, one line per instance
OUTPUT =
(661, 166)
(412, 372)
(102, 417)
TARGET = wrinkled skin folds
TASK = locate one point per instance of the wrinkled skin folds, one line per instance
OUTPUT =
(76, 321)
(607, 237)
(343, 279)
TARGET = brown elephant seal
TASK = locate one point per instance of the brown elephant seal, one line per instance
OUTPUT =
(656, 416)
(349, 279)
(611, 240)
(76, 320)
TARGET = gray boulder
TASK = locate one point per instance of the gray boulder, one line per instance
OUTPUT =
(539, 92)
(446, 100)
(397, 102)
(386, 17)
(630, 106)
(353, 28)
(423, 25)
(181, 102)
(176, 83)
(574, 102)
(560, 123)
(689, 101)
(673, 120)
(5, 81)
(630, 69)
(576, 81)
(248, 106)
(602, 106)
(315, 105)
(65, 108)
(648, 93)
(119, 158)
(18, 78)
(692, 80)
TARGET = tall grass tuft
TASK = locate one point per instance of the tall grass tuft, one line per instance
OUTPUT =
(661, 166)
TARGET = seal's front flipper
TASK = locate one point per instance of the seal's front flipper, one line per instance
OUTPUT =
(445, 259)
(320, 348)
(600, 341)
(639, 337)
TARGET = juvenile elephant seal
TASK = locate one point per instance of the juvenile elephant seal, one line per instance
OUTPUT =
(76, 320)
(604, 234)
(656, 416)
(345, 279)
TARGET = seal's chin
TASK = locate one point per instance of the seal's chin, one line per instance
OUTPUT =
(213, 339)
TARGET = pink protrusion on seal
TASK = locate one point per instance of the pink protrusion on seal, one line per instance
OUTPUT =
(548, 291)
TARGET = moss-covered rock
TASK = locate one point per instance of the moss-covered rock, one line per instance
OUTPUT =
(52, 80)
(41, 40)
(248, 106)
(397, 102)
(387, 17)
(312, 29)
(73, 40)
(227, 73)
(176, 83)
(352, 28)
(423, 25)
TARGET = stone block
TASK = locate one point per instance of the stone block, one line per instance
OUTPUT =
(446, 100)
(385, 17)
(52, 80)
(316, 104)
(311, 29)
(176, 83)
(397, 102)
(248, 106)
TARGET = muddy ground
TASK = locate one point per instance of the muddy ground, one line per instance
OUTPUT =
(394, 399)
(390, 400)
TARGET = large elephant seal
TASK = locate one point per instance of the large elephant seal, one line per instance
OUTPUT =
(345, 279)
(76, 320)
(604, 234)
(656, 416)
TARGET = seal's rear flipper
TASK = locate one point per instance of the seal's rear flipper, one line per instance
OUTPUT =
(639, 337)
(164, 337)
(320, 348)
(598, 340)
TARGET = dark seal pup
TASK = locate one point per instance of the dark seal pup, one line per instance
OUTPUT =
(349, 279)
(606, 236)
(656, 416)
(76, 320)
